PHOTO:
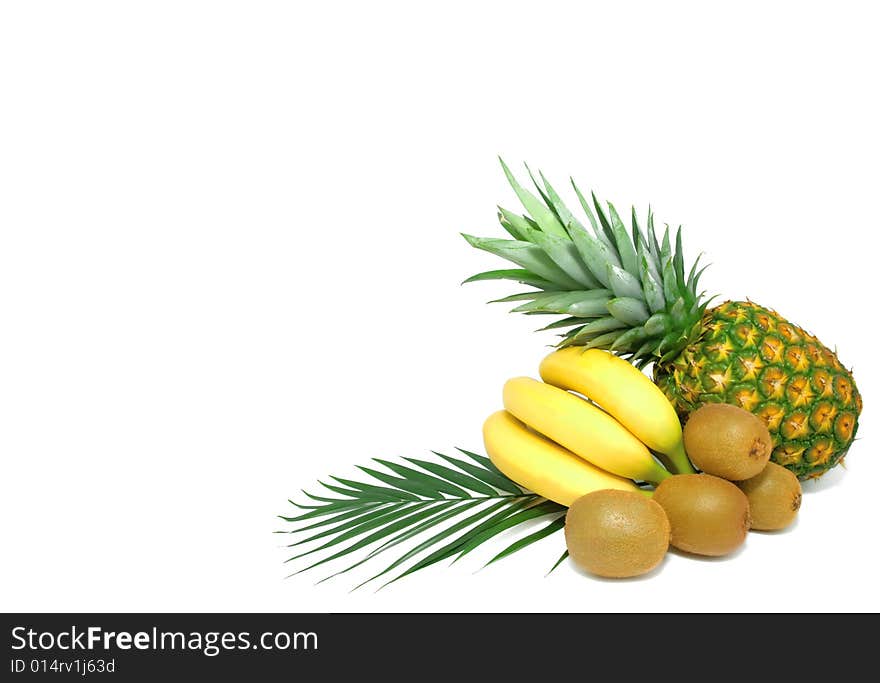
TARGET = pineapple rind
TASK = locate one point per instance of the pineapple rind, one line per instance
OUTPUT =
(750, 356)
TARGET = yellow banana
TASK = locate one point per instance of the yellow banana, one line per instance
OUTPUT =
(625, 392)
(580, 427)
(542, 466)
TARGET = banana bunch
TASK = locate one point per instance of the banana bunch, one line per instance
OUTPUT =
(562, 446)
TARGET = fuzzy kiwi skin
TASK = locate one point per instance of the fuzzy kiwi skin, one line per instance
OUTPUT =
(708, 515)
(616, 534)
(727, 441)
(774, 497)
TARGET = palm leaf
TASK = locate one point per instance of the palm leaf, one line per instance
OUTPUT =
(446, 509)
(345, 514)
(551, 528)
(539, 510)
(497, 480)
(449, 549)
(561, 559)
(436, 519)
(350, 517)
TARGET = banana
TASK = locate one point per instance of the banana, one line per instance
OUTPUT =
(626, 393)
(542, 466)
(580, 427)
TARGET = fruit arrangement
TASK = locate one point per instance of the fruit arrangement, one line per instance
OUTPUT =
(626, 291)
(589, 451)
(740, 406)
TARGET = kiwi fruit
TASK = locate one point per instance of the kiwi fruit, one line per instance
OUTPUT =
(616, 534)
(774, 497)
(727, 441)
(708, 515)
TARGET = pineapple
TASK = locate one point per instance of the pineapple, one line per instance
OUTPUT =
(626, 291)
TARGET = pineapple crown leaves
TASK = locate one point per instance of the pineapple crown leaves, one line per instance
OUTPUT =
(619, 289)
(458, 504)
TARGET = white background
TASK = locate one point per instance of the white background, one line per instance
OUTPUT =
(230, 266)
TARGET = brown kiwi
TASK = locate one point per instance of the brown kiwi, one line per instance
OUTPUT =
(774, 497)
(708, 515)
(616, 534)
(727, 441)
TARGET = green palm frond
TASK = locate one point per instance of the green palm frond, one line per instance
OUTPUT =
(447, 508)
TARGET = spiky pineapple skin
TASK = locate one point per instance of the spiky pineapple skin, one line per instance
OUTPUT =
(750, 356)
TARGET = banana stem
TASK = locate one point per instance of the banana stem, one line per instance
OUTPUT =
(679, 460)
(658, 474)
